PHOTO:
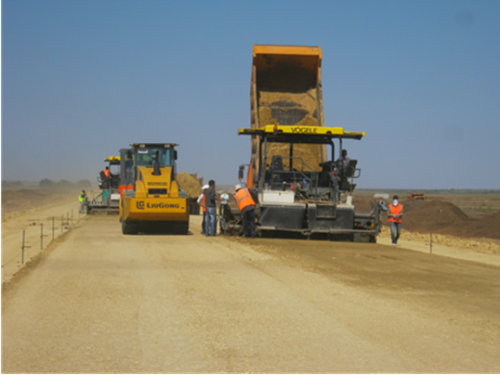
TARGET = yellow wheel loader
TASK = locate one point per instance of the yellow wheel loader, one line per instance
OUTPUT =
(155, 203)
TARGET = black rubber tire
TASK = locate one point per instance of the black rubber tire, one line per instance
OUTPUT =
(177, 227)
(184, 227)
(130, 227)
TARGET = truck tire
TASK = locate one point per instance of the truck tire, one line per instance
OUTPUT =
(130, 227)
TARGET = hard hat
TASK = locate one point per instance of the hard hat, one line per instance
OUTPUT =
(237, 187)
(205, 187)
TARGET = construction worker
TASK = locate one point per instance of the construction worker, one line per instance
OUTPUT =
(211, 199)
(202, 202)
(105, 176)
(83, 201)
(247, 199)
(211, 211)
(394, 216)
(343, 161)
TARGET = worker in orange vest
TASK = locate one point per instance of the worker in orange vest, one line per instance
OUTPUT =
(394, 216)
(247, 199)
(105, 178)
(202, 202)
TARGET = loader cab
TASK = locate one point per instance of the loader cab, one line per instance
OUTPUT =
(126, 170)
(148, 154)
(154, 155)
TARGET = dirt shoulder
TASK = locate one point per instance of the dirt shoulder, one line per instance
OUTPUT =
(23, 199)
(49, 212)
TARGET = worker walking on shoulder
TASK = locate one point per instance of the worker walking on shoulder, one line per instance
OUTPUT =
(247, 199)
(395, 215)
(83, 201)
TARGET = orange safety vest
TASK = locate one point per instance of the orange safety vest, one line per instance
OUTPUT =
(106, 172)
(395, 211)
(244, 199)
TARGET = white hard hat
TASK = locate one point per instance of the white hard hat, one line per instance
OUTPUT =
(205, 187)
(237, 187)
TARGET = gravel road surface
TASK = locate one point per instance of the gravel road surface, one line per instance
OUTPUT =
(96, 301)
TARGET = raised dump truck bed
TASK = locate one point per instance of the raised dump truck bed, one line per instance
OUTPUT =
(286, 90)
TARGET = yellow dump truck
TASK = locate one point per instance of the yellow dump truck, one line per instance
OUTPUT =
(155, 202)
(303, 181)
(286, 89)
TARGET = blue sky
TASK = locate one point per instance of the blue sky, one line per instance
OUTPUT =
(82, 79)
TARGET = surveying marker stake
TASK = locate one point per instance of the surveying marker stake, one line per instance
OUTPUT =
(23, 247)
(430, 244)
